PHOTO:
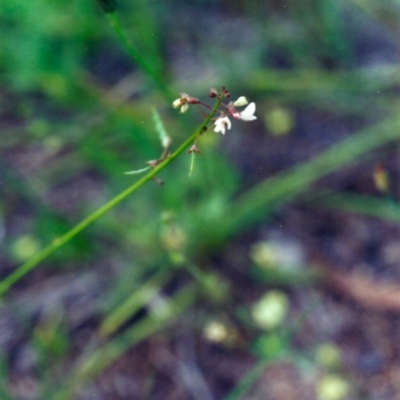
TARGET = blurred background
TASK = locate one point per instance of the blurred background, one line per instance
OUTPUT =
(272, 272)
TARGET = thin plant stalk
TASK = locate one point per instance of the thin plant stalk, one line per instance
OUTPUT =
(32, 262)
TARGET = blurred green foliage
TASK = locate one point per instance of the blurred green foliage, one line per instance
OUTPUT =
(76, 113)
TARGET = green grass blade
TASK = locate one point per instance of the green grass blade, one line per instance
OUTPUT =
(94, 363)
(136, 300)
(137, 58)
(160, 129)
(273, 192)
(378, 207)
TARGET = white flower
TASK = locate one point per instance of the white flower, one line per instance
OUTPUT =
(177, 103)
(221, 124)
(248, 113)
(182, 102)
(241, 101)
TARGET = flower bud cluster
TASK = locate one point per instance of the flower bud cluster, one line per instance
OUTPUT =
(222, 123)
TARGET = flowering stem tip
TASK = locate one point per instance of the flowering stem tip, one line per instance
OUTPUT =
(222, 123)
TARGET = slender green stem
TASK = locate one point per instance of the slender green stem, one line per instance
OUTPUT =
(137, 57)
(7, 282)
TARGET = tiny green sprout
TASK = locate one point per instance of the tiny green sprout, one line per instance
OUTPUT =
(270, 311)
(24, 247)
(271, 345)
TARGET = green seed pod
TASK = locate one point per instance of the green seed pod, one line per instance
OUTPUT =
(108, 6)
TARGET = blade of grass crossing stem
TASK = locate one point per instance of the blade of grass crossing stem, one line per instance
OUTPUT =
(160, 129)
(135, 301)
(93, 364)
(30, 264)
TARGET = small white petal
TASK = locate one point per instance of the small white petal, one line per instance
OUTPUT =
(184, 107)
(177, 103)
(219, 127)
(221, 124)
(241, 101)
(248, 113)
